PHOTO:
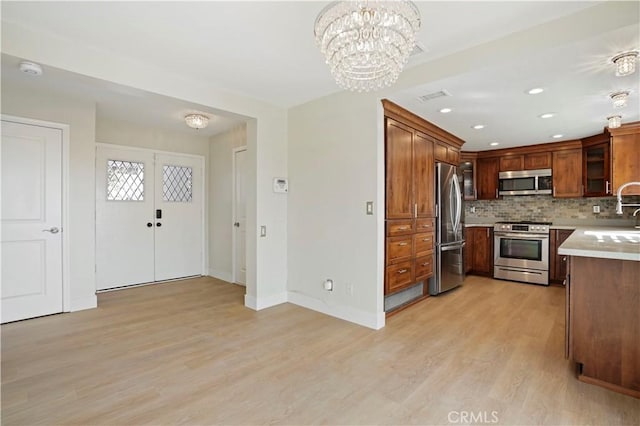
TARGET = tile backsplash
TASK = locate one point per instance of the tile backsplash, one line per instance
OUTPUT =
(548, 209)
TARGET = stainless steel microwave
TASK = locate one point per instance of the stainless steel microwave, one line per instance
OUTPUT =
(525, 182)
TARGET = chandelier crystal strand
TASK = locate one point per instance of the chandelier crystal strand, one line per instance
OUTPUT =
(367, 43)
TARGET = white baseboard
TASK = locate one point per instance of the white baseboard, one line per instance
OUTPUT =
(85, 303)
(221, 275)
(366, 319)
(264, 302)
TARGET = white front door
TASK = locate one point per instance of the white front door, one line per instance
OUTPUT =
(149, 217)
(124, 217)
(240, 220)
(179, 232)
(31, 221)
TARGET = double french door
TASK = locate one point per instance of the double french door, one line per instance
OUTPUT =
(149, 216)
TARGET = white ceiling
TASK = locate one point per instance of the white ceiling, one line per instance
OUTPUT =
(266, 50)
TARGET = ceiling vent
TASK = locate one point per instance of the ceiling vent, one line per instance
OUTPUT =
(434, 95)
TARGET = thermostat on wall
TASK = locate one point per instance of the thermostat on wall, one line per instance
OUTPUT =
(281, 185)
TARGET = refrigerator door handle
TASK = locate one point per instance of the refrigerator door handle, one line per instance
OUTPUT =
(451, 248)
(458, 197)
(452, 213)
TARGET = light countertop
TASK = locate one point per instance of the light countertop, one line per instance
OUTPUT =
(603, 242)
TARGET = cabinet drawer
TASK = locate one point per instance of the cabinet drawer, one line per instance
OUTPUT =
(399, 227)
(423, 243)
(424, 266)
(425, 225)
(398, 277)
(399, 249)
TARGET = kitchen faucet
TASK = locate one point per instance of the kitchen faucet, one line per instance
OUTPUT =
(619, 205)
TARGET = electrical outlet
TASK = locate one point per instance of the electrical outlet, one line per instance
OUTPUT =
(596, 209)
(473, 209)
(369, 207)
(263, 231)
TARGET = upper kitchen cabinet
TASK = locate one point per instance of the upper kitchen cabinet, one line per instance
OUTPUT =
(567, 173)
(537, 160)
(511, 163)
(487, 173)
(625, 157)
(468, 171)
(409, 178)
(446, 153)
(596, 178)
(399, 178)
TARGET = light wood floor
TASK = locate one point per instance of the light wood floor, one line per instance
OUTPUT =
(190, 353)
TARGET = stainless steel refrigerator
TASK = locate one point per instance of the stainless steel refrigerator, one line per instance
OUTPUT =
(449, 272)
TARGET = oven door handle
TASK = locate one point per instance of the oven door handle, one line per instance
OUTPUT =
(522, 236)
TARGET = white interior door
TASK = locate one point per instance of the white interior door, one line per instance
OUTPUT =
(179, 233)
(31, 221)
(240, 220)
(124, 217)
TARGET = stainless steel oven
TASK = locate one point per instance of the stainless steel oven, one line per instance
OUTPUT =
(521, 252)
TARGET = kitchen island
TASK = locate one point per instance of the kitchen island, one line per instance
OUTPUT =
(603, 306)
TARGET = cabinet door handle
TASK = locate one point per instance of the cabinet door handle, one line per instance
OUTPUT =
(402, 271)
(426, 240)
(496, 192)
(554, 190)
(425, 264)
(415, 210)
(607, 188)
(402, 244)
(564, 259)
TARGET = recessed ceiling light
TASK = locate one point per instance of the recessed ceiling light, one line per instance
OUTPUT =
(494, 143)
(558, 136)
(547, 115)
(445, 110)
(535, 90)
(478, 126)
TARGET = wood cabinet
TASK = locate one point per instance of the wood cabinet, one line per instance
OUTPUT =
(446, 153)
(625, 157)
(468, 170)
(411, 147)
(487, 174)
(557, 262)
(595, 170)
(479, 250)
(602, 318)
(410, 172)
(511, 163)
(567, 173)
(537, 160)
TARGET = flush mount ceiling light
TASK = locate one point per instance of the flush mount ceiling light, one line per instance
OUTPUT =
(615, 121)
(547, 115)
(558, 136)
(367, 43)
(445, 110)
(619, 99)
(478, 126)
(625, 63)
(196, 121)
(30, 68)
(535, 90)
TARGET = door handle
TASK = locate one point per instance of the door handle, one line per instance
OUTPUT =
(236, 224)
(53, 230)
(158, 224)
(149, 224)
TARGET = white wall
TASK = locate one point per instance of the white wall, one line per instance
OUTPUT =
(335, 167)
(266, 140)
(221, 201)
(23, 101)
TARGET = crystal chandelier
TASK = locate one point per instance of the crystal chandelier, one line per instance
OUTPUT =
(367, 43)
(615, 121)
(619, 99)
(196, 121)
(625, 63)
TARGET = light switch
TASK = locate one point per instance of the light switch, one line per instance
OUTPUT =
(263, 231)
(369, 207)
